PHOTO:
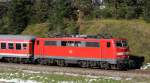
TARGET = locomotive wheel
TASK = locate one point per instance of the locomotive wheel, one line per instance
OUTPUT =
(93, 64)
(106, 66)
(50, 62)
(60, 63)
(42, 62)
(84, 64)
(36, 61)
(113, 66)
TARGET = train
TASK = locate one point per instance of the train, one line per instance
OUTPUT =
(83, 50)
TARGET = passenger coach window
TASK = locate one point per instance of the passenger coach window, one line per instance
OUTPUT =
(18, 46)
(92, 44)
(10, 45)
(24, 45)
(3, 45)
(50, 43)
(108, 44)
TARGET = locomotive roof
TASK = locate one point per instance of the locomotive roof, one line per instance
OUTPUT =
(80, 39)
(18, 37)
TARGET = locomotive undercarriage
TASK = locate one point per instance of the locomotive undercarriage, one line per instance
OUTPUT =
(62, 62)
(82, 63)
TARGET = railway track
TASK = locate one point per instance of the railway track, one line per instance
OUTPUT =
(77, 70)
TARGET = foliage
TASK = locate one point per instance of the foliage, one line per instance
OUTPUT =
(39, 30)
(146, 10)
(17, 16)
(58, 11)
(61, 13)
(40, 11)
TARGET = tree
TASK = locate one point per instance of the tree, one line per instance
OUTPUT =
(18, 16)
(125, 9)
(146, 10)
(57, 15)
(3, 11)
(83, 8)
(40, 11)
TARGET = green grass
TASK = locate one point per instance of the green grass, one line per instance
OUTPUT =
(45, 77)
(39, 30)
(53, 78)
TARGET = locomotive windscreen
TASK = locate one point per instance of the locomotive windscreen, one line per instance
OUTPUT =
(121, 43)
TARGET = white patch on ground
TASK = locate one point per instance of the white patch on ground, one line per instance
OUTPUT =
(114, 78)
(146, 66)
(17, 81)
(128, 78)
(65, 82)
(76, 75)
(29, 71)
(93, 78)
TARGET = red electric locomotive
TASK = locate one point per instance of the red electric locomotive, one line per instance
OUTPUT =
(83, 50)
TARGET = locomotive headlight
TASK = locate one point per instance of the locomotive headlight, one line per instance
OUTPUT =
(122, 53)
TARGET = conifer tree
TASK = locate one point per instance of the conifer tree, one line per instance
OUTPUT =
(57, 15)
(40, 11)
(18, 16)
(146, 10)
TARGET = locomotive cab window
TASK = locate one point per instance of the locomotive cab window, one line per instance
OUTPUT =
(108, 44)
(121, 43)
(3, 45)
(18, 46)
(10, 45)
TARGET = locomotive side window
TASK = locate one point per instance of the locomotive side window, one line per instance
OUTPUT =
(10, 45)
(18, 46)
(108, 44)
(50, 43)
(78, 44)
(71, 43)
(3, 45)
(64, 43)
(92, 44)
